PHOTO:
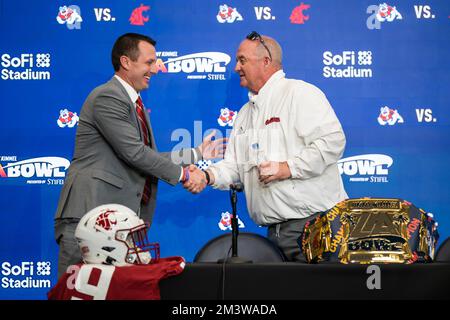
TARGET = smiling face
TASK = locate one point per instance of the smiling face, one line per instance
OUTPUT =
(139, 72)
(251, 66)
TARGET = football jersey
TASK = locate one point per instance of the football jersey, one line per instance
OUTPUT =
(106, 282)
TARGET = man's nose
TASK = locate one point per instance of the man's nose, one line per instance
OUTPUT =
(237, 68)
(153, 69)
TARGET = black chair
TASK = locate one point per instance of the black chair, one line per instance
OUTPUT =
(443, 252)
(250, 246)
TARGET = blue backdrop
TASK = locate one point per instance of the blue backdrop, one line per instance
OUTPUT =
(383, 66)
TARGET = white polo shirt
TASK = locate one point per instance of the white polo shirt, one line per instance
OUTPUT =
(289, 120)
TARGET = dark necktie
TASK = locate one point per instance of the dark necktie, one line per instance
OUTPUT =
(145, 132)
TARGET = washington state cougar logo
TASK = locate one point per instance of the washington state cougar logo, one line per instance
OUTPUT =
(106, 220)
(226, 117)
(228, 14)
(137, 16)
(67, 118)
(389, 116)
(387, 13)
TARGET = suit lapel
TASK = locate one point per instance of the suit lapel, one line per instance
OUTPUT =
(134, 116)
(152, 138)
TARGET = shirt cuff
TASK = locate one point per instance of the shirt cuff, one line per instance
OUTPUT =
(194, 151)
(215, 185)
(181, 175)
(294, 172)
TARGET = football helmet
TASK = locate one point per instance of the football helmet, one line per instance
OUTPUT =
(113, 234)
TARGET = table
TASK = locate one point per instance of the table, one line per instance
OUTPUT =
(289, 281)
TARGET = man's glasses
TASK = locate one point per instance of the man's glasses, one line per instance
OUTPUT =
(256, 36)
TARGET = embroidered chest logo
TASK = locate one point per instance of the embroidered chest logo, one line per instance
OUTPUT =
(273, 119)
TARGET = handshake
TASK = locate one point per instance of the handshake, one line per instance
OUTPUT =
(197, 179)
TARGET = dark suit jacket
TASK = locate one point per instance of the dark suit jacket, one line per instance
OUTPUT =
(111, 162)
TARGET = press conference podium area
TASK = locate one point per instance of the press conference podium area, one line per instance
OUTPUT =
(269, 278)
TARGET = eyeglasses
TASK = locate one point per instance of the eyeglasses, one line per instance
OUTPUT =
(255, 35)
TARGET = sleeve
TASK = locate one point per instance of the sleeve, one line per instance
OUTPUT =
(226, 171)
(317, 125)
(183, 157)
(112, 118)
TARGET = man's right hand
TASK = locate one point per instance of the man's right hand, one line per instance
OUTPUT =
(197, 180)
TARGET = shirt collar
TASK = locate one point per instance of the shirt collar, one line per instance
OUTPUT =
(266, 87)
(130, 90)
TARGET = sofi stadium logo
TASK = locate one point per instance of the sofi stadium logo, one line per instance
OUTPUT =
(44, 170)
(372, 168)
(197, 66)
(348, 64)
(26, 66)
(25, 275)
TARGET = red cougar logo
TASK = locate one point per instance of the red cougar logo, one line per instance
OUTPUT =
(105, 220)
(137, 18)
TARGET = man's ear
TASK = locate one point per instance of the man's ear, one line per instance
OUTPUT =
(125, 62)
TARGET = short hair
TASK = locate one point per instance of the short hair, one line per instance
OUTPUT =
(275, 49)
(128, 45)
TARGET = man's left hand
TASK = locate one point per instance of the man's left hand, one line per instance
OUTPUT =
(273, 171)
(213, 149)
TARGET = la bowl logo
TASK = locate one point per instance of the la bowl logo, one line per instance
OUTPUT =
(203, 65)
(226, 117)
(381, 13)
(228, 14)
(366, 168)
(67, 119)
(70, 16)
(389, 116)
(225, 222)
(35, 169)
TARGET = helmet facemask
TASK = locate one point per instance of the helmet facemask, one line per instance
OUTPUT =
(140, 250)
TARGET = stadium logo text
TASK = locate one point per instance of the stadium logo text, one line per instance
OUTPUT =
(25, 275)
(21, 67)
(347, 64)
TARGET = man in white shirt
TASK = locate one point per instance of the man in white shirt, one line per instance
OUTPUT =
(284, 147)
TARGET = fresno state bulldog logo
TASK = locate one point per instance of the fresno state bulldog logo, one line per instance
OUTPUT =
(225, 222)
(68, 15)
(226, 117)
(106, 220)
(389, 116)
(228, 14)
(387, 13)
(67, 118)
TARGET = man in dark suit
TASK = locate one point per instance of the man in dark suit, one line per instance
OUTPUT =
(115, 158)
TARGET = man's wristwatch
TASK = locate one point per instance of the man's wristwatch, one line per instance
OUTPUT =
(208, 179)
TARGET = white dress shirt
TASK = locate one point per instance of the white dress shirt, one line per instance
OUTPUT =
(134, 96)
(289, 120)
